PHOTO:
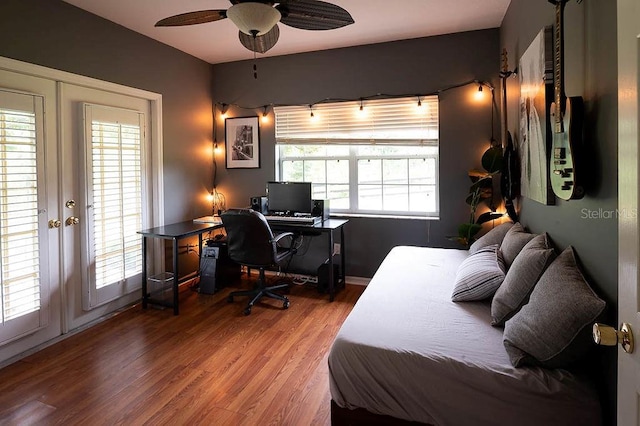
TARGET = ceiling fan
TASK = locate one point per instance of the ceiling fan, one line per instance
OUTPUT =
(257, 20)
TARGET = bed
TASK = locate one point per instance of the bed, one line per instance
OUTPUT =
(408, 352)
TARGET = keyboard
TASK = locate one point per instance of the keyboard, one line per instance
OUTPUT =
(297, 220)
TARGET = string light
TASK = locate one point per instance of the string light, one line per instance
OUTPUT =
(479, 96)
(223, 111)
(224, 107)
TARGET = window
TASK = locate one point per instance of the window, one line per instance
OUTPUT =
(22, 289)
(114, 173)
(371, 157)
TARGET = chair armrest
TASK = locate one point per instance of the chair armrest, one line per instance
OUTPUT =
(284, 234)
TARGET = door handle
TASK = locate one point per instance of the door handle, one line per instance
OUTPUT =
(72, 220)
(609, 336)
(54, 223)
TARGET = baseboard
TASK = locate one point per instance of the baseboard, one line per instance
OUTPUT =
(358, 280)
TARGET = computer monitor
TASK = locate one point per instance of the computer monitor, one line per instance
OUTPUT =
(289, 197)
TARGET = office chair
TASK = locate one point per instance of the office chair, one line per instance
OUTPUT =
(251, 243)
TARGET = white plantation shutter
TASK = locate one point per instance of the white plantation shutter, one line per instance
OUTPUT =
(398, 121)
(115, 199)
(22, 291)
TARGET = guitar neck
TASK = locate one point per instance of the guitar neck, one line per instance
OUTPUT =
(558, 65)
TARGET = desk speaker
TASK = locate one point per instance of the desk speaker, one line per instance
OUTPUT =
(260, 204)
(320, 208)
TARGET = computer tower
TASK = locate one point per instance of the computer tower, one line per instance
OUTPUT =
(260, 204)
(320, 208)
(208, 265)
(216, 268)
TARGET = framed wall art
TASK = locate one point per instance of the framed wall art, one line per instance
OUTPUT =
(535, 72)
(242, 143)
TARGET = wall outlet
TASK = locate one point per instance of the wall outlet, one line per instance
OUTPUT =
(336, 249)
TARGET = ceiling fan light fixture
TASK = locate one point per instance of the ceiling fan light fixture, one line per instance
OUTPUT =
(254, 19)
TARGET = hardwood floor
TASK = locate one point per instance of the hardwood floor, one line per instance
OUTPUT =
(209, 365)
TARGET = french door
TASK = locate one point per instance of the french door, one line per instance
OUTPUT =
(29, 248)
(80, 174)
(104, 189)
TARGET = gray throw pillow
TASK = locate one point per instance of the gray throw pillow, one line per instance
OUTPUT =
(495, 236)
(554, 328)
(479, 275)
(521, 278)
(515, 239)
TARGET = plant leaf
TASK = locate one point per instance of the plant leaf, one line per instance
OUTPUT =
(492, 159)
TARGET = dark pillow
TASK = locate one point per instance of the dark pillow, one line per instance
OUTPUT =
(495, 236)
(515, 239)
(554, 328)
(520, 279)
(479, 275)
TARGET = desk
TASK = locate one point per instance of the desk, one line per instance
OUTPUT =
(325, 227)
(174, 232)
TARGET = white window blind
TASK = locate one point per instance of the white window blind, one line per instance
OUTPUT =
(115, 198)
(19, 245)
(397, 121)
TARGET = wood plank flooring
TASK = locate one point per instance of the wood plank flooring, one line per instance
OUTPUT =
(210, 365)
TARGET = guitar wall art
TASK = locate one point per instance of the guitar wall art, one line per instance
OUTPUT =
(567, 123)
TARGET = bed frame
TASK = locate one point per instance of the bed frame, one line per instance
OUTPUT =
(346, 417)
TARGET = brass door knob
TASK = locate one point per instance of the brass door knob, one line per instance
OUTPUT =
(72, 220)
(54, 223)
(609, 336)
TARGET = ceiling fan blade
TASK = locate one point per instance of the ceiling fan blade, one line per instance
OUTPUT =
(313, 15)
(262, 43)
(192, 18)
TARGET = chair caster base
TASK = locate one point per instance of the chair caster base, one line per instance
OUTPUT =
(285, 304)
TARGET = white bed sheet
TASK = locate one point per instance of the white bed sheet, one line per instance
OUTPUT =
(406, 350)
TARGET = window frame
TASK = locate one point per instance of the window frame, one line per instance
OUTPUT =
(342, 127)
(354, 185)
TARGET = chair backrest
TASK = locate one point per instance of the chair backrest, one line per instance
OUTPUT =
(249, 238)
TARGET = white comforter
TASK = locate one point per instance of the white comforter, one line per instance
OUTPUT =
(406, 350)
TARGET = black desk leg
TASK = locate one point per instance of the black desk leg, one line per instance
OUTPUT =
(343, 261)
(145, 294)
(175, 277)
(199, 254)
(332, 287)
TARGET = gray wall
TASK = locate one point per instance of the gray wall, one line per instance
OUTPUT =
(590, 72)
(57, 35)
(405, 67)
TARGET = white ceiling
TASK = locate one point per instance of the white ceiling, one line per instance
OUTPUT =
(375, 21)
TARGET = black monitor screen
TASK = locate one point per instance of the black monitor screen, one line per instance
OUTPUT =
(289, 197)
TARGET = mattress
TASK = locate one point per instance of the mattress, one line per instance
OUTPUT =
(406, 350)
